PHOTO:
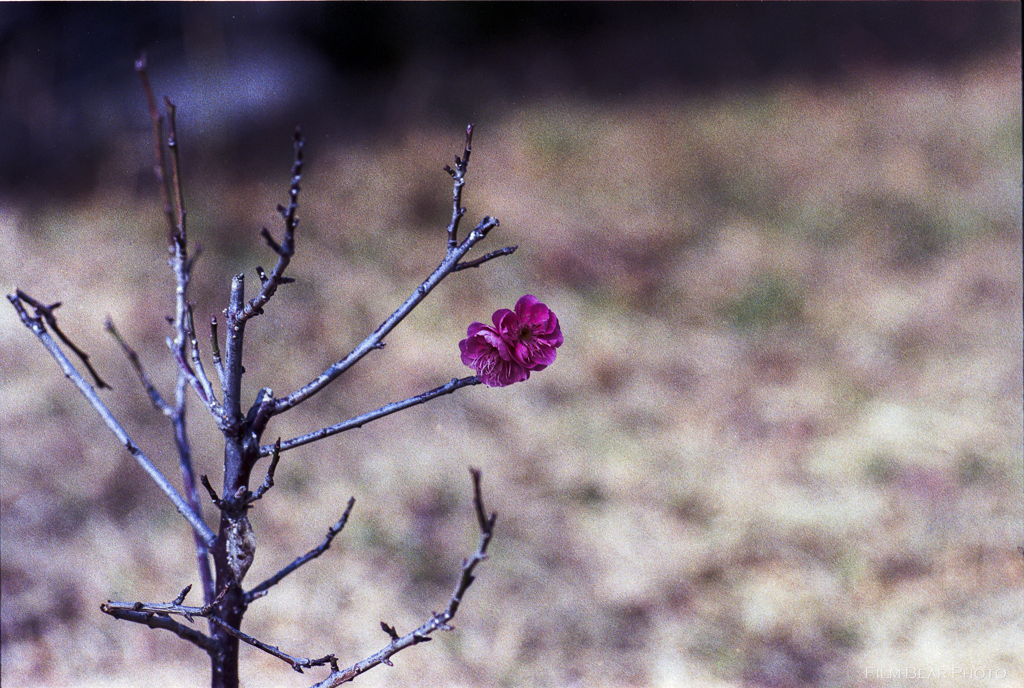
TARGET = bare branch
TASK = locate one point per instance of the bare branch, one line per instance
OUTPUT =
(69, 370)
(286, 248)
(439, 621)
(453, 255)
(271, 242)
(181, 266)
(161, 608)
(262, 588)
(507, 251)
(157, 615)
(215, 350)
(486, 524)
(200, 372)
(158, 145)
(233, 342)
(458, 175)
(46, 313)
(202, 390)
(296, 663)
(179, 198)
(386, 410)
(268, 482)
(205, 480)
(188, 478)
(154, 394)
(177, 418)
(156, 620)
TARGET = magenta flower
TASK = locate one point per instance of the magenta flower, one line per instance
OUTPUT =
(521, 341)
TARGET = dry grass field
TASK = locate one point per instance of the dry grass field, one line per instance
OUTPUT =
(780, 447)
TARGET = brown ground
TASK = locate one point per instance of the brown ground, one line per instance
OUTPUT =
(781, 445)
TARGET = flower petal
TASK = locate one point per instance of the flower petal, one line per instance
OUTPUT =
(521, 341)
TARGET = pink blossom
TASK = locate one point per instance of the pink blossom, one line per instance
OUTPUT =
(522, 340)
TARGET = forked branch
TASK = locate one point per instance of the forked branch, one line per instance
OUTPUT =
(454, 254)
(375, 339)
(38, 328)
(157, 615)
(45, 313)
(284, 250)
(439, 621)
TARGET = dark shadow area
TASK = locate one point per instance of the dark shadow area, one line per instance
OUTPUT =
(242, 71)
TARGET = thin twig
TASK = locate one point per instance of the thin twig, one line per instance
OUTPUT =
(160, 608)
(458, 175)
(159, 403)
(296, 663)
(507, 251)
(271, 242)
(286, 249)
(167, 608)
(205, 481)
(218, 364)
(46, 313)
(181, 266)
(197, 385)
(486, 524)
(268, 482)
(439, 621)
(197, 362)
(177, 247)
(155, 620)
(179, 197)
(262, 588)
(158, 145)
(386, 410)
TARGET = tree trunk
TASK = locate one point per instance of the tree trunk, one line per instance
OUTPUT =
(233, 552)
(230, 609)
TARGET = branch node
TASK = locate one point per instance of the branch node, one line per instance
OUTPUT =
(268, 482)
(390, 630)
(181, 596)
(213, 493)
(271, 242)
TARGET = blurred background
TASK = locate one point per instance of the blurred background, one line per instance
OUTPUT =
(781, 446)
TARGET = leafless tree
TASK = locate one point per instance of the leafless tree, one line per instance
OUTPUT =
(223, 556)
